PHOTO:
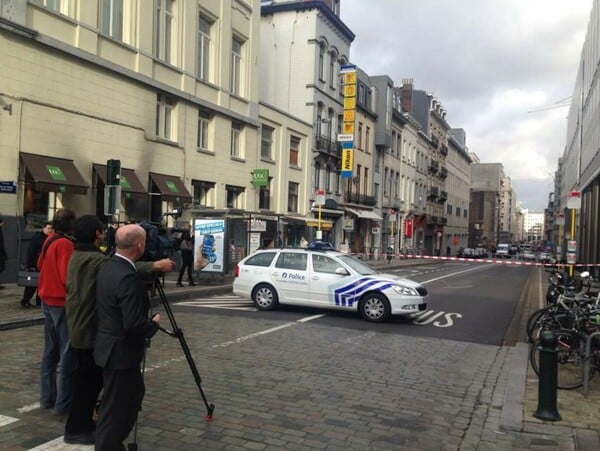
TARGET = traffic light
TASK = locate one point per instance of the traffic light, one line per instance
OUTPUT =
(112, 190)
(113, 172)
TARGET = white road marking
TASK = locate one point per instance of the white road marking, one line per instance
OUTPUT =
(310, 318)
(254, 335)
(29, 408)
(59, 445)
(454, 274)
(4, 420)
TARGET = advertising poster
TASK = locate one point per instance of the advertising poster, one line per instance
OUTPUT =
(209, 244)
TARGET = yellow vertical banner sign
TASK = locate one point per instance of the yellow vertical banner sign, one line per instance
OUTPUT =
(349, 90)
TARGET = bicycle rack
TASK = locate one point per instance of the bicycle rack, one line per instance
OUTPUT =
(587, 363)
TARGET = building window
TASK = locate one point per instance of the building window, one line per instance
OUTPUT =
(293, 190)
(362, 99)
(203, 193)
(204, 29)
(458, 211)
(359, 136)
(112, 19)
(165, 106)
(332, 71)
(328, 179)
(366, 181)
(264, 197)
(322, 62)
(164, 29)
(367, 138)
(266, 142)
(236, 66)
(65, 7)
(317, 177)
(449, 209)
(234, 196)
(204, 119)
(294, 150)
(236, 133)
(465, 213)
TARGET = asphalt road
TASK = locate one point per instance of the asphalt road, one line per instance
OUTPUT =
(467, 302)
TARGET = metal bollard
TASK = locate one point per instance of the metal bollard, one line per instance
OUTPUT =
(547, 390)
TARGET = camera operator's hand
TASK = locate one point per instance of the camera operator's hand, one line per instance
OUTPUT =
(164, 265)
(156, 318)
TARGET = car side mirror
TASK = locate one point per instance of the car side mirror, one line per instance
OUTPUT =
(341, 271)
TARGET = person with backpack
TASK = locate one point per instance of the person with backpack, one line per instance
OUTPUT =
(186, 247)
(33, 253)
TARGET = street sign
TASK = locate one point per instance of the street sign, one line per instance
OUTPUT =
(320, 197)
(571, 246)
(571, 258)
(560, 219)
(574, 200)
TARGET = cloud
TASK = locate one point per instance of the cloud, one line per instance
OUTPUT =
(494, 64)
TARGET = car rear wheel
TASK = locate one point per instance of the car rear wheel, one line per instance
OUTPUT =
(375, 307)
(265, 297)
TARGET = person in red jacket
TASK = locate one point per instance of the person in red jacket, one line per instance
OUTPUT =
(52, 289)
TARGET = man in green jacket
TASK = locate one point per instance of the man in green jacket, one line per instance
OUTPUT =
(82, 323)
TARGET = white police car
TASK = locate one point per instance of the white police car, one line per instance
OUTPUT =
(327, 279)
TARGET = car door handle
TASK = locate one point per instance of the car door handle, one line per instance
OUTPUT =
(315, 277)
(275, 273)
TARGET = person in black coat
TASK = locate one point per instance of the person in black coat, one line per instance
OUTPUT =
(33, 252)
(187, 256)
(123, 328)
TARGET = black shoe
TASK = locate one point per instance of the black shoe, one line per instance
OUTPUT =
(179, 284)
(26, 304)
(85, 438)
(2, 287)
(192, 284)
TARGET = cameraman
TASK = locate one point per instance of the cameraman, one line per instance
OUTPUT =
(82, 324)
(123, 328)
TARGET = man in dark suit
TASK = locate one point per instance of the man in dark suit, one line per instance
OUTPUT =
(123, 327)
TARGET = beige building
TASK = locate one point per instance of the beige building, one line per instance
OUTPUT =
(170, 91)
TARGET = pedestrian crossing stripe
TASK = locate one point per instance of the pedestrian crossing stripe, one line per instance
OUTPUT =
(240, 305)
(4, 420)
(58, 444)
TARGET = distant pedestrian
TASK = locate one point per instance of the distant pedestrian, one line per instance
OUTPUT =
(303, 242)
(3, 255)
(52, 289)
(448, 251)
(33, 253)
(186, 247)
(279, 241)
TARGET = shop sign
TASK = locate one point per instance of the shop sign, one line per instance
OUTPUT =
(348, 224)
(8, 188)
(260, 177)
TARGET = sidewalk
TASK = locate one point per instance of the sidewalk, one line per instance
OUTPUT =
(507, 421)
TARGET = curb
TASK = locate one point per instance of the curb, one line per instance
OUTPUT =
(21, 323)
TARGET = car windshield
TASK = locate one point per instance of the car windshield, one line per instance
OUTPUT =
(357, 265)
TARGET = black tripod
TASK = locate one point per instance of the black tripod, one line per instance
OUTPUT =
(176, 332)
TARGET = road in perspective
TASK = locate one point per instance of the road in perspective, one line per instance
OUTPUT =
(302, 378)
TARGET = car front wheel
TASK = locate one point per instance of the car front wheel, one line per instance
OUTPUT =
(375, 307)
(265, 297)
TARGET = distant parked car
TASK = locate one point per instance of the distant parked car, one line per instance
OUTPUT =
(528, 255)
(502, 251)
(545, 257)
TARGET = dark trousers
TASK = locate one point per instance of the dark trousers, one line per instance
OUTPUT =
(86, 388)
(187, 262)
(121, 401)
(28, 293)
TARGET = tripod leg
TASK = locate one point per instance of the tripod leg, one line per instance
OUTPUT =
(186, 350)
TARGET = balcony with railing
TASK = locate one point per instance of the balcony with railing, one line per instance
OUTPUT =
(443, 220)
(443, 196)
(433, 166)
(444, 150)
(432, 220)
(443, 172)
(435, 140)
(433, 192)
(360, 199)
(325, 145)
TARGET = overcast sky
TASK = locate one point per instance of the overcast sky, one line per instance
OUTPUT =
(495, 65)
